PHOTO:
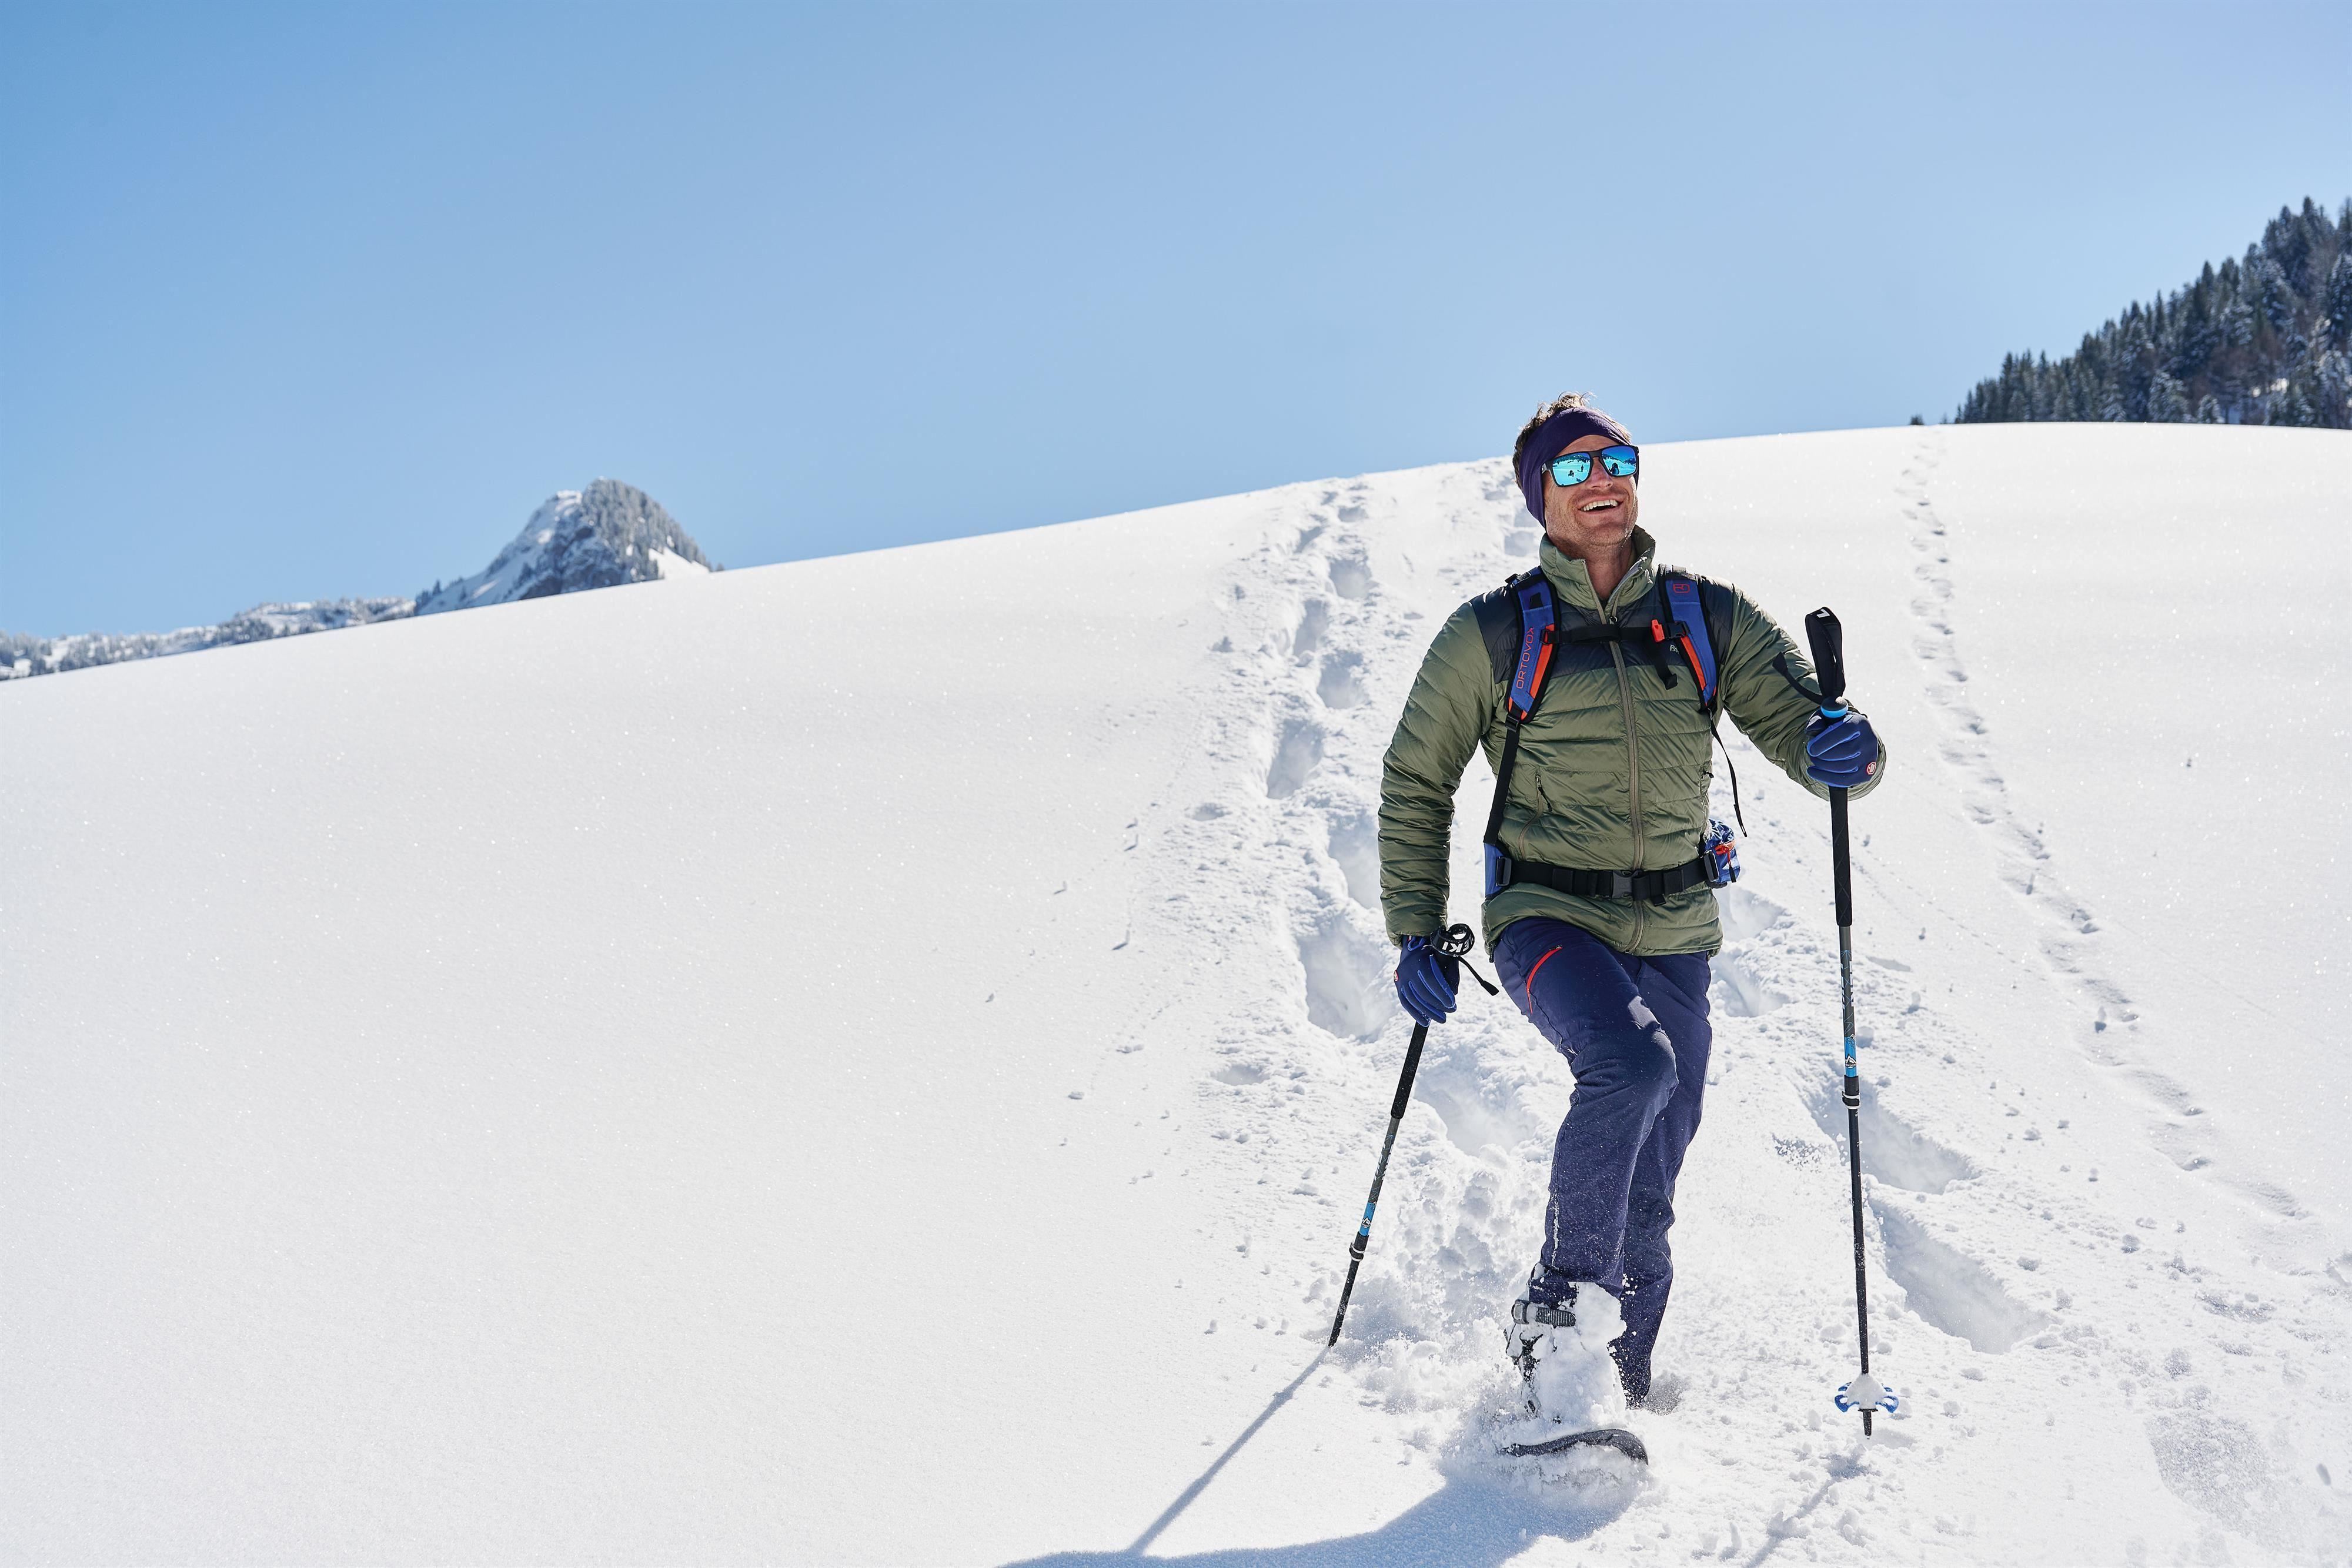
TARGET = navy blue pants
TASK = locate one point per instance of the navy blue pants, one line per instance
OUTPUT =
(1636, 1032)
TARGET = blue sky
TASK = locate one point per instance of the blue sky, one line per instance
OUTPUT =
(305, 301)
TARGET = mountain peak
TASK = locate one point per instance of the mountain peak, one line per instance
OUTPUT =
(609, 534)
(602, 536)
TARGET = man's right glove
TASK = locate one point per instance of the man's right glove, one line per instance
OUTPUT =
(1426, 980)
(1841, 752)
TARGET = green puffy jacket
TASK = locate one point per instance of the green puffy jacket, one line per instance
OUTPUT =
(1613, 769)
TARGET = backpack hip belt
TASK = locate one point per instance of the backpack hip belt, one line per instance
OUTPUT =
(1651, 885)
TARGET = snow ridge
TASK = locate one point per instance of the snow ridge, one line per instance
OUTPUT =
(21, 655)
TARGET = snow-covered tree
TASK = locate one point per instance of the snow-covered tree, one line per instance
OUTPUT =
(2258, 338)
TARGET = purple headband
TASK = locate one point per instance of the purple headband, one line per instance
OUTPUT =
(1552, 437)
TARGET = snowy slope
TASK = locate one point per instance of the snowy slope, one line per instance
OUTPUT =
(887, 1075)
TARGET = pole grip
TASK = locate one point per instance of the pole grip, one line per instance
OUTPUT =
(1828, 638)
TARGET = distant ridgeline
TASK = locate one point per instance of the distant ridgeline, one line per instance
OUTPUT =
(602, 536)
(2263, 340)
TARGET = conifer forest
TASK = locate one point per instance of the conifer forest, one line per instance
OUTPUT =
(2264, 338)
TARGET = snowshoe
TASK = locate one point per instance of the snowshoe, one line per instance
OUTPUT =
(1616, 1438)
(1573, 1395)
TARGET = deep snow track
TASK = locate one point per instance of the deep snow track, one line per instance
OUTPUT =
(2069, 933)
(476, 1091)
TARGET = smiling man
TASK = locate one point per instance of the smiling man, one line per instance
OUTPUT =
(1595, 684)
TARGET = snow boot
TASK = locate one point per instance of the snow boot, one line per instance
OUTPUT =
(1562, 1352)
(1529, 1330)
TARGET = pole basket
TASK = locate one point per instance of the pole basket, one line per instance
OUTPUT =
(1866, 1394)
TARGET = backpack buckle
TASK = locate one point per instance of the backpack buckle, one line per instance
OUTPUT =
(1499, 868)
(1621, 884)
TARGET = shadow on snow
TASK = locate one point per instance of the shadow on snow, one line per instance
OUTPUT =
(1464, 1524)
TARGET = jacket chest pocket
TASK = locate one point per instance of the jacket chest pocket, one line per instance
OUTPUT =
(1573, 751)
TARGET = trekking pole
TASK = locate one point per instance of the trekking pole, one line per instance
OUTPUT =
(1828, 638)
(1453, 944)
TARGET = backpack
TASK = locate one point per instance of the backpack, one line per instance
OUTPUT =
(1520, 623)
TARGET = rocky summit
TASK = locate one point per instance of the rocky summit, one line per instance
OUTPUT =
(602, 536)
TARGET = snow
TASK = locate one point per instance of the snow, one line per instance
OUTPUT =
(1575, 1386)
(669, 563)
(787, 1068)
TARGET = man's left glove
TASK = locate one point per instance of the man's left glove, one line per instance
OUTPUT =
(1426, 980)
(1841, 752)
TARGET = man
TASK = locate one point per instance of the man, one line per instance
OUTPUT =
(1610, 775)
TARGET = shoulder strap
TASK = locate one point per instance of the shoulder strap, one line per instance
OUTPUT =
(1523, 607)
(1538, 625)
(1683, 615)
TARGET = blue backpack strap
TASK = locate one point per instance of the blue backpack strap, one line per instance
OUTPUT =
(1683, 618)
(1537, 620)
(1685, 624)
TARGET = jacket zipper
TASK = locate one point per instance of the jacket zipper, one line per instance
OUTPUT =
(1632, 755)
(1633, 771)
(1632, 777)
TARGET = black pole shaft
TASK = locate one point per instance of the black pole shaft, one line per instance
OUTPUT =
(1828, 640)
(1842, 863)
(1379, 1174)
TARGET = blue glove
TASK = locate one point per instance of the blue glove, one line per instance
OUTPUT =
(1841, 752)
(1426, 980)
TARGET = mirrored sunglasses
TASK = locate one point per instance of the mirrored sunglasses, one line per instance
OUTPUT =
(1576, 468)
